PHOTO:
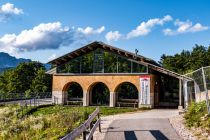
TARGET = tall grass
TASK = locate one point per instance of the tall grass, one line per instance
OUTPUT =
(46, 122)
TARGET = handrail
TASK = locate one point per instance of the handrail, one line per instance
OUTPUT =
(82, 129)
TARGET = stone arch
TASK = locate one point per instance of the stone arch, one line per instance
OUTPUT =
(99, 93)
(72, 90)
(126, 91)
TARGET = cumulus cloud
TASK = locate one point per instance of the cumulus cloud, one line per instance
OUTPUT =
(90, 30)
(43, 36)
(185, 27)
(145, 27)
(113, 36)
(8, 10)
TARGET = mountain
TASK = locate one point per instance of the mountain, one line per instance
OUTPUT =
(7, 61)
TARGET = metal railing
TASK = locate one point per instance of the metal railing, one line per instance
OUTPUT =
(8, 97)
(200, 83)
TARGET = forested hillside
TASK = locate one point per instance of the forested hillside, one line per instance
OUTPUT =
(187, 61)
(27, 78)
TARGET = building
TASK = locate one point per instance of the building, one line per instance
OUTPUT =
(101, 74)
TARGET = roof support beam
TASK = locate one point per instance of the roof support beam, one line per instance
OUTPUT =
(90, 48)
(76, 53)
(83, 50)
(69, 56)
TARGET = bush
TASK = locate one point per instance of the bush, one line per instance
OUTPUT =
(196, 114)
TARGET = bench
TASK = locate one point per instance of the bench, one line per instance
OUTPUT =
(127, 103)
(75, 101)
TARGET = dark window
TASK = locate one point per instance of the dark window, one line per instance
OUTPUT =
(98, 61)
(87, 63)
(124, 65)
(138, 68)
(72, 66)
(110, 62)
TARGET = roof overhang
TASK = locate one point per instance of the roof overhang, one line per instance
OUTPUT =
(94, 45)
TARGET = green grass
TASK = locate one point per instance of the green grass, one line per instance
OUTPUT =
(47, 122)
(104, 111)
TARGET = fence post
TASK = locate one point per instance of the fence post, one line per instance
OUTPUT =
(91, 126)
(180, 94)
(206, 90)
(100, 122)
(84, 135)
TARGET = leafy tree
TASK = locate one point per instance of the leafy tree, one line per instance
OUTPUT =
(187, 61)
(25, 78)
(42, 82)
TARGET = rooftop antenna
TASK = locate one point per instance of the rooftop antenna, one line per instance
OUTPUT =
(136, 52)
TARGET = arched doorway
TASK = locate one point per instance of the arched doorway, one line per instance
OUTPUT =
(74, 93)
(99, 94)
(127, 93)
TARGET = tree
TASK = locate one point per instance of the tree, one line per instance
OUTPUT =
(25, 78)
(187, 61)
(42, 82)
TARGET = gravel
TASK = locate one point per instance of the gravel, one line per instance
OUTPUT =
(178, 124)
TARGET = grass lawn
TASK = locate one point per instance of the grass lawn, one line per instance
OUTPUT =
(47, 122)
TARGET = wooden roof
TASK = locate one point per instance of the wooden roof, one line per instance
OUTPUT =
(94, 45)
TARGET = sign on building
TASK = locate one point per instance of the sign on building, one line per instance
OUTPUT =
(144, 90)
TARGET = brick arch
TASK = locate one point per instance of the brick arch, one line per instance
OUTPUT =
(94, 83)
(65, 88)
(119, 84)
(90, 88)
(85, 81)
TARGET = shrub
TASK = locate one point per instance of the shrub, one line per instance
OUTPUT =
(195, 113)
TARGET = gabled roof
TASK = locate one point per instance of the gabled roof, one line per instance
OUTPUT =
(94, 45)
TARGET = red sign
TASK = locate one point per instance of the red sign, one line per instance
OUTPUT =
(144, 76)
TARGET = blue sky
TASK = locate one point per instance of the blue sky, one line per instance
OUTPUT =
(45, 29)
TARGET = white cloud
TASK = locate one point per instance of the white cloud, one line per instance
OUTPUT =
(145, 27)
(113, 35)
(53, 56)
(43, 36)
(8, 10)
(90, 31)
(185, 27)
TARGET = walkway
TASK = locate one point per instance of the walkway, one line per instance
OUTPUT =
(148, 125)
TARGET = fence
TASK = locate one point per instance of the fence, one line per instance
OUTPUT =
(6, 97)
(26, 101)
(198, 88)
(83, 129)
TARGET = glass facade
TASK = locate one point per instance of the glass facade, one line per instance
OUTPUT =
(101, 61)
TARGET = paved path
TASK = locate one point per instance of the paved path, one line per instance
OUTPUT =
(148, 125)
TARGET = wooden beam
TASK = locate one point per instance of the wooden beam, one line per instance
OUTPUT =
(118, 52)
(76, 53)
(69, 56)
(83, 51)
(57, 62)
(104, 46)
(64, 59)
(126, 54)
(90, 48)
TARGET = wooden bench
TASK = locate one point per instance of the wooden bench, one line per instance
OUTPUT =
(75, 101)
(127, 102)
